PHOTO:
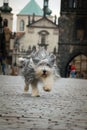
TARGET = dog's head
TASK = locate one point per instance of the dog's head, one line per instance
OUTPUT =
(44, 62)
(43, 69)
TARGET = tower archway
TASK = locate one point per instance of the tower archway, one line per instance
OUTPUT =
(80, 62)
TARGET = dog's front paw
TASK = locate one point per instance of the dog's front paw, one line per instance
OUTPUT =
(47, 89)
(35, 95)
(26, 88)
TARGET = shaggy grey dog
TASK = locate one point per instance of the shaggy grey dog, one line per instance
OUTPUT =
(40, 66)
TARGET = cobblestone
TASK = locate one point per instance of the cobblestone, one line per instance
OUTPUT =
(64, 108)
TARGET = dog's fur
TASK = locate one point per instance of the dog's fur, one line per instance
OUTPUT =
(40, 66)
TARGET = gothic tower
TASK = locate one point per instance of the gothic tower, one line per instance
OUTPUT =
(72, 33)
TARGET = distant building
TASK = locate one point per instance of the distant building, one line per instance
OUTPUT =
(37, 30)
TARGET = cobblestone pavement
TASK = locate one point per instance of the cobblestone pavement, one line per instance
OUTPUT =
(64, 108)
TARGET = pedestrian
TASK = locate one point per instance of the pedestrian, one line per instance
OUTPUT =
(3, 67)
(73, 71)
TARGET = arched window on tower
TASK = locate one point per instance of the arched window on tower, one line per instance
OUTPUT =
(72, 3)
(81, 29)
(5, 22)
(75, 4)
(84, 4)
(79, 3)
(22, 25)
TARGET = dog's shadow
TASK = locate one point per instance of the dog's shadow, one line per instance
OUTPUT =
(26, 94)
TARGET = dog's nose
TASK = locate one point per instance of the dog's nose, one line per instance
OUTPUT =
(44, 71)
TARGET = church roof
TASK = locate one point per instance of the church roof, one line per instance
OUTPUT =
(31, 8)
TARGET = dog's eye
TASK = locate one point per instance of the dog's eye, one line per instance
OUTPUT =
(48, 65)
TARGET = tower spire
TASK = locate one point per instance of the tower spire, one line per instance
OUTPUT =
(46, 10)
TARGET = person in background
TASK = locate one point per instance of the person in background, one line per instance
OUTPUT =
(73, 71)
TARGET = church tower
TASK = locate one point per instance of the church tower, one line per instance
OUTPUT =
(6, 13)
(6, 23)
(72, 36)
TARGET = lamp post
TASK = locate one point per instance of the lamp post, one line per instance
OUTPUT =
(16, 44)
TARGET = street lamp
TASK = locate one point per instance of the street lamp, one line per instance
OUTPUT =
(16, 44)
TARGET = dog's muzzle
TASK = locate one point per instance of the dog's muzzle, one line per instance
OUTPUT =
(44, 73)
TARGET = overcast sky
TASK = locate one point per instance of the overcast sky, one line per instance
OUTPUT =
(17, 5)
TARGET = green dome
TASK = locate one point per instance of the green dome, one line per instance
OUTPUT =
(31, 8)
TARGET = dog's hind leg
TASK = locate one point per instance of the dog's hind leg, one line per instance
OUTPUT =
(35, 91)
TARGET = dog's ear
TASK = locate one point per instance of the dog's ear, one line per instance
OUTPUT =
(52, 58)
